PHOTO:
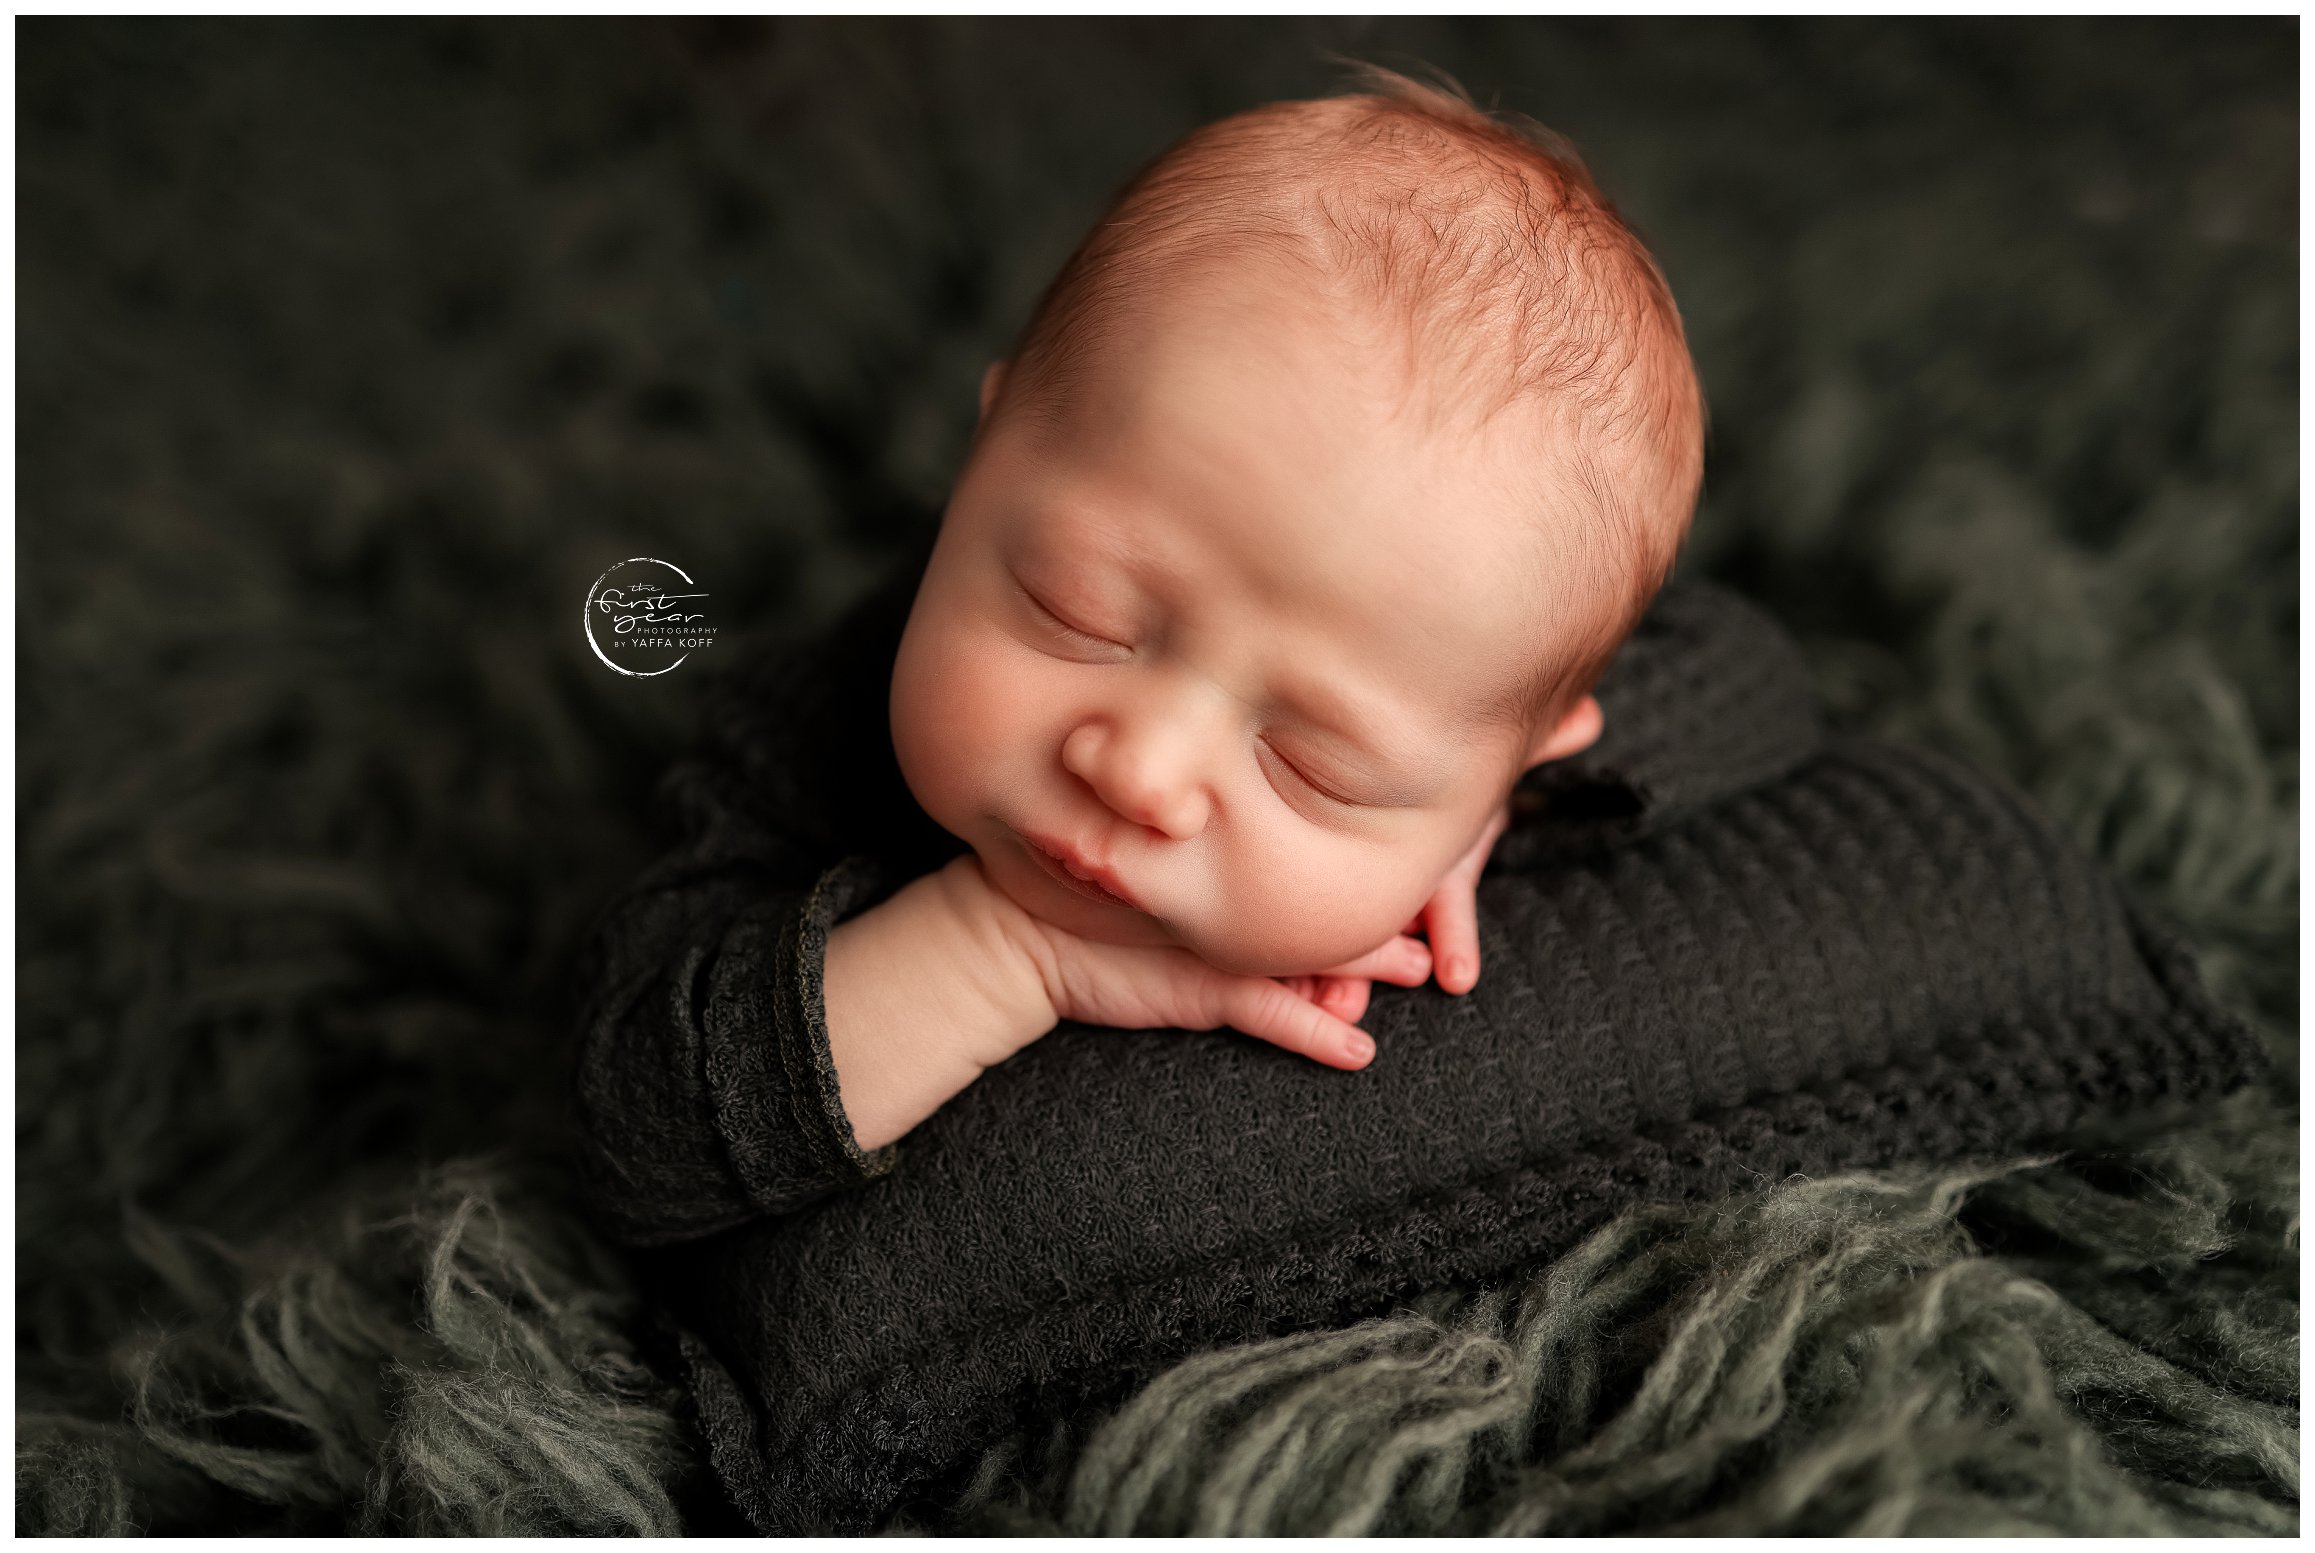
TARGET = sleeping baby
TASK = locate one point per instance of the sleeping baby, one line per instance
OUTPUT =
(1308, 560)
(1324, 481)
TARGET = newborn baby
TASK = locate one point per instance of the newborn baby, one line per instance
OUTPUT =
(1322, 485)
(1301, 524)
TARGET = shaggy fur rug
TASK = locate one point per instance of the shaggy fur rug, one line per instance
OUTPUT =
(349, 353)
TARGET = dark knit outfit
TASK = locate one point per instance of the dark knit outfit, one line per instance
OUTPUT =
(1718, 948)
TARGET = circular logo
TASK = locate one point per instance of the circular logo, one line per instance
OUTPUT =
(644, 617)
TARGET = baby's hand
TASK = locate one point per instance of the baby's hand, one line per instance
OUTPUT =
(1152, 988)
(1450, 920)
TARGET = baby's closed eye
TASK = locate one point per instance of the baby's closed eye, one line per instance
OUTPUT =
(1297, 773)
(1056, 626)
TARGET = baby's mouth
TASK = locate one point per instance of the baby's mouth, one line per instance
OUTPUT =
(1064, 873)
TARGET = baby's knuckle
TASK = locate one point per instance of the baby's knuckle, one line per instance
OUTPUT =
(1269, 1007)
(1214, 997)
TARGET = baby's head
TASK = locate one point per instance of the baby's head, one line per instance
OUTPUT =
(1326, 478)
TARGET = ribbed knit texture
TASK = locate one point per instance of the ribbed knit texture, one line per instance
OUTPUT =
(1717, 950)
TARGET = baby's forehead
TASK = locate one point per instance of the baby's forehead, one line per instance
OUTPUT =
(1411, 601)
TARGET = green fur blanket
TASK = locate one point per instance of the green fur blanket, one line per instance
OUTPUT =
(350, 353)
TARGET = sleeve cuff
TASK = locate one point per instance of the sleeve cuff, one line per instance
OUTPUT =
(769, 1067)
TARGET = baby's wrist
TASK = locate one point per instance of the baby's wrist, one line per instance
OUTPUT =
(922, 994)
(1004, 953)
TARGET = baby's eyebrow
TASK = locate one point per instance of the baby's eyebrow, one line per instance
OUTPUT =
(1489, 711)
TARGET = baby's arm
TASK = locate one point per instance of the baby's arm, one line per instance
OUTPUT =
(923, 993)
(950, 977)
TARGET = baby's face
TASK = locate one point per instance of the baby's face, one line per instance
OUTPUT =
(1221, 635)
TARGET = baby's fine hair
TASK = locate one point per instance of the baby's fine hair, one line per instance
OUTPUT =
(1513, 276)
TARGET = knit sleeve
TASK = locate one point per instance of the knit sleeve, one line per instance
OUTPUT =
(706, 1092)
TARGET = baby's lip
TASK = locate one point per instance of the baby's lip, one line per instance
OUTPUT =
(1072, 870)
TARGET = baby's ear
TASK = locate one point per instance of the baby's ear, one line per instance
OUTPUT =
(992, 383)
(1576, 732)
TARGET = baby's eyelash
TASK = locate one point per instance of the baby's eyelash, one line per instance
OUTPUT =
(1063, 627)
(1300, 776)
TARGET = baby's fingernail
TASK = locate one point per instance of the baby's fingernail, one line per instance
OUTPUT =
(1359, 1048)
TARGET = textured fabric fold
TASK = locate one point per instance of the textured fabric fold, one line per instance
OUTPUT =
(1708, 697)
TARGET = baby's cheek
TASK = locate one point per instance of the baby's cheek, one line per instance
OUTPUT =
(953, 710)
(1288, 917)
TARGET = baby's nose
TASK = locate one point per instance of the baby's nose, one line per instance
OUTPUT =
(1150, 770)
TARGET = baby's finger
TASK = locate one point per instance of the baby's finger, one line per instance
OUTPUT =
(1454, 940)
(1269, 1011)
(1473, 862)
(1404, 962)
(1346, 998)
(1492, 834)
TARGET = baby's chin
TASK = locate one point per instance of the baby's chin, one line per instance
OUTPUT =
(1244, 949)
(1250, 952)
(1247, 949)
